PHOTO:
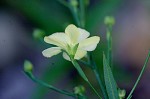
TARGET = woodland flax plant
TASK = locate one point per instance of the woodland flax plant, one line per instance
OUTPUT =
(76, 44)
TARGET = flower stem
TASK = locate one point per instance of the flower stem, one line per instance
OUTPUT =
(94, 90)
(82, 13)
(139, 77)
(80, 71)
(74, 12)
(95, 70)
(109, 45)
(33, 78)
(100, 83)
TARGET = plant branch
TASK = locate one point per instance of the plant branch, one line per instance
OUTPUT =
(95, 70)
(80, 71)
(82, 13)
(74, 12)
(33, 78)
(139, 77)
(109, 45)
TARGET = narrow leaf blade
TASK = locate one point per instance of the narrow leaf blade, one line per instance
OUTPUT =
(110, 83)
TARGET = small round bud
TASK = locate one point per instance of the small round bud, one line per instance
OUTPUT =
(28, 67)
(80, 90)
(37, 33)
(122, 93)
(109, 20)
(74, 3)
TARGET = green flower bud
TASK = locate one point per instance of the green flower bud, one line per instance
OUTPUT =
(80, 90)
(109, 20)
(37, 33)
(74, 3)
(28, 66)
(122, 93)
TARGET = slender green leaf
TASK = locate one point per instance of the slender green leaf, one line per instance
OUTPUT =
(110, 83)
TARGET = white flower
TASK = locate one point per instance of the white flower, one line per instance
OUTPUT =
(74, 43)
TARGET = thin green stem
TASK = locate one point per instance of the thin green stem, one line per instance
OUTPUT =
(100, 84)
(82, 13)
(33, 78)
(80, 71)
(74, 12)
(109, 45)
(94, 90)
(139, 77)
(98, 78)
(81, 23)
(85, 63)
(95, 70)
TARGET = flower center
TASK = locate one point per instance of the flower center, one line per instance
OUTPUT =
(72, 49)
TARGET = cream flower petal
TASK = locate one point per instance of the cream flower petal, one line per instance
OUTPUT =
(73, 32)
(51, 51)
(89, 44)
(58, 39)
(80, 54)
(83, 34)
(66, 56)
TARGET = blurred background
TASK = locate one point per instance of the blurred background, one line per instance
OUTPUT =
(18, 20)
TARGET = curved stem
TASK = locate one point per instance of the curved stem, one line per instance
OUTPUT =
(141, 73)
(33, 78)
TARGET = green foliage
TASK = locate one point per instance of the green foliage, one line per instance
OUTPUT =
(46, 18)
(110, 82)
